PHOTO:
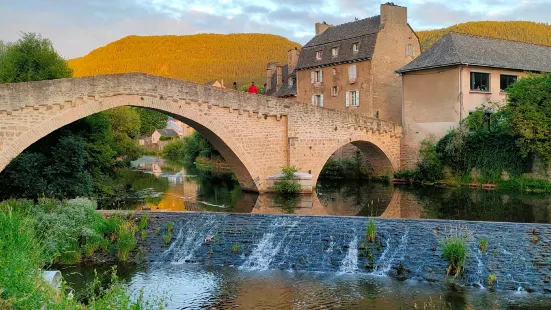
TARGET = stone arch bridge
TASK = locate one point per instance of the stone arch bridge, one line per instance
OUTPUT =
(257, 135)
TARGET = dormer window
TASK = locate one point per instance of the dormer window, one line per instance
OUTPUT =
(355, 47)
(335, 51)
(319, 54)
(290, 82)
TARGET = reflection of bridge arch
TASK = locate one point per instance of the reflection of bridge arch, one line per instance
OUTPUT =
(257, 135)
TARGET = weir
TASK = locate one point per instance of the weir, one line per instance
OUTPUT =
(404, 249)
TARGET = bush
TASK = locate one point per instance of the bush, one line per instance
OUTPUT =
(287, 186)
(406, 174)
(454, 251)
(429, 167)
(347, 168)
(167, 238)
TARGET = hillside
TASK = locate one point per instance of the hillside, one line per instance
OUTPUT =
(199, 58)
(529, 32)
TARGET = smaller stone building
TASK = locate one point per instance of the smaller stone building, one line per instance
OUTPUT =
(163, 134)
(281, 80)
(455, 76)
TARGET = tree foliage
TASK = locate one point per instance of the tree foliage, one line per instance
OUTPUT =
(31, 58)
(522, 31)
(188, 149)
(529, 107)
(198, 58)
(150, 120)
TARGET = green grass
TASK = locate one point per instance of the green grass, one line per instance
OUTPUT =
(126, 241)
(371, 231)
(144, 221)
(454, 251)
(169, 227)
(525, 184)
(167, 238)
(483, 245)
(236, 248)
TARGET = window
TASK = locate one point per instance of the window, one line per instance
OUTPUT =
(408, 49)
(413, 51)
(352, 98)
(317, 100)
(317, 76)
(506, 80)
(355, 47)
(334, 71)
(335, 91)
(352, 73)
(335, 51)
(290, 81)
(319, 54)
(480, 81)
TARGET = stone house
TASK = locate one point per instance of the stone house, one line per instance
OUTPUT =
(281, 80)
(163, 134)
(180, 127)
(455, 76)
(353, 66)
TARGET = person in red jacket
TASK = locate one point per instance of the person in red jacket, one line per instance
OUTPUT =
(253, 89)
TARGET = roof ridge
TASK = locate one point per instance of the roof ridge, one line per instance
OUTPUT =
(496, 39)
(355, 21)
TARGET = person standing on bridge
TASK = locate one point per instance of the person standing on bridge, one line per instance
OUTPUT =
(253, 89)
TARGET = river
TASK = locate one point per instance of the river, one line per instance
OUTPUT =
(151, 184)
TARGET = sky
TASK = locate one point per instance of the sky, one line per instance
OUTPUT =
(76, 27)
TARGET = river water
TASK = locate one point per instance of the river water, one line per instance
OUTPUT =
(151, 184)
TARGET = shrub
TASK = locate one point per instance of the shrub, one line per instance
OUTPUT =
(169, 226)
(167, 238)
(287, 186)
(454, 251)
(429, 166)
(483, 245)
(406, 174)
(144, 220)
(126, 241)
(371, 231)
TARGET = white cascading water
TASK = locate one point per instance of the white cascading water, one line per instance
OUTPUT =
(350, 262)
(186, 244)
(268, 246)
(384, 264)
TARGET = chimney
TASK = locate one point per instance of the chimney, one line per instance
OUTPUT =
(321, 27)
(270, 70)
(393, 14)
(279, 77)
(292, 59)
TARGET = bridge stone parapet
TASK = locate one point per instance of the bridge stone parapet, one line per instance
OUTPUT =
(257, 135)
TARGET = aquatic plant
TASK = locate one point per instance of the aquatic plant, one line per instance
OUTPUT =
(167, 238)
(491, 279)
(483, 245)
(158, 231)
(126, 241)
(143, 234)
(534, 239)
(454, 251)
(169, 226)
(144, 220)
(235, 248)
(287, 186)
(371, 232)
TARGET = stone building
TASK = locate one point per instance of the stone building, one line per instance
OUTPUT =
(281, 80)
(352, 66)
(455, 76)
(180, 127)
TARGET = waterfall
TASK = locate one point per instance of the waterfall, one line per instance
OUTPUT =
(186, 244)
(478, 280)
(350, 263)
(384, 264)
(269, 245)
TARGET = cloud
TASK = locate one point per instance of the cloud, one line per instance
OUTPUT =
(77, 27)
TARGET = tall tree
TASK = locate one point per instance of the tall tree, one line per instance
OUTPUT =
(151, 120)
(31, 58)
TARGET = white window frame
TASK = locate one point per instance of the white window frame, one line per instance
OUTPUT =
(352, 73)
(408, 49)
(355, 98)
(355, 47)
(317, 100)
(319, 54)
(335, 91)
(334, 70)
(318, 76)
(335, 52)
(290, 82)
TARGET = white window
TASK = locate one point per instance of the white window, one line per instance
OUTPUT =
(317, 100)
(355, 47)
(334, 71)
(335, 91)
(414, 52)
(352, 98)
(317, 76)
(335, 51)
(319, 54)
(408, 49)
(352, 73)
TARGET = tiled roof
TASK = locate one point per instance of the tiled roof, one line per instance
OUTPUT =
(342, 36)
(167, 132)
(455, 49)
(286, 90)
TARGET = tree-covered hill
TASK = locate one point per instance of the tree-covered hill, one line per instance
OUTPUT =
(199, 58)
(523, 31)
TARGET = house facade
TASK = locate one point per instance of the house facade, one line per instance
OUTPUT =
(456, 75)
(180, 127)
(353, 66)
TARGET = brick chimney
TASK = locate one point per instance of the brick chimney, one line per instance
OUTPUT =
(292, 59)
(270, 70)
(393, 14)
(321, 27)
(279, 76)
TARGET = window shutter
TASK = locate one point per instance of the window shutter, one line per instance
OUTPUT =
(321, 100)
(313, 99)
(321, 76)
(347, 98)
(357, 98)
(312, 74)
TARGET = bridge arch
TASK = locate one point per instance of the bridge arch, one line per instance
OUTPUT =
(375, 150)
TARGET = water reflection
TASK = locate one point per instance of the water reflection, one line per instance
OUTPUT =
(159, 186)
